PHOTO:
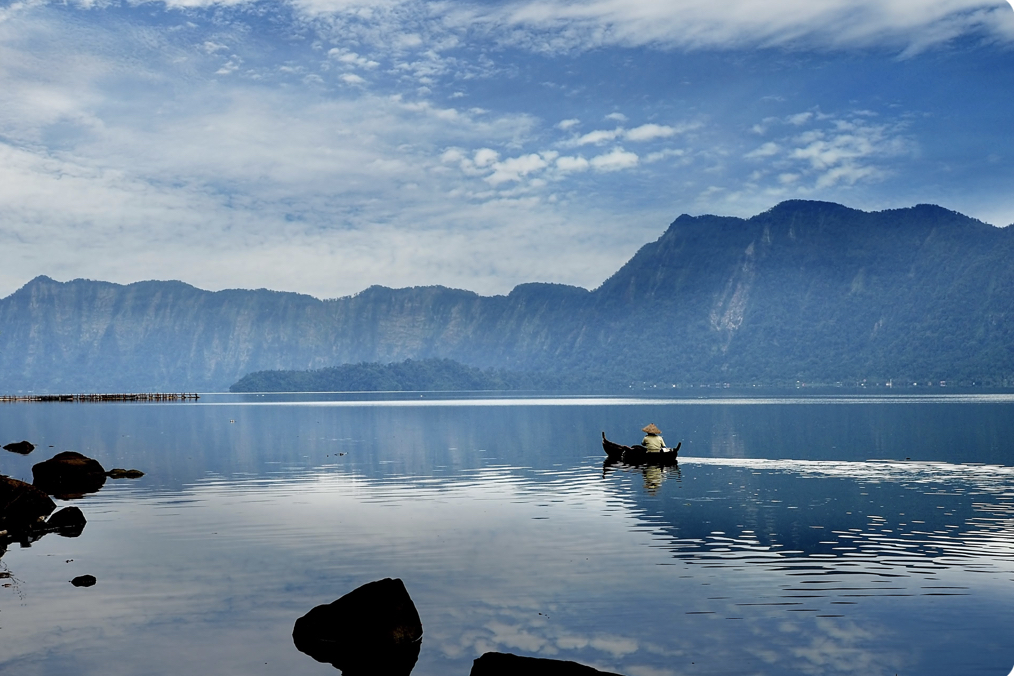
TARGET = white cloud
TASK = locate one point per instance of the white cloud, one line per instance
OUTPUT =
(554, 25)
(351, 78)
(616, 117)
(648, 132)
(230, 66)
(351, 58)
(616, 160)
(597, 137)
(664, 154)
(769, 149)
(452, 155)
(514, 168)
(833, 151)
(617, 646)
(698, 24)
(568, 124)
(485, 157)
(569, 164)
(645, 132)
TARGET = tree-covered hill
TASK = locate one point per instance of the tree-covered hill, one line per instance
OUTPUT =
(407, 376)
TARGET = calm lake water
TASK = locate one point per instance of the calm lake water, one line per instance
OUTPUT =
(797, 536)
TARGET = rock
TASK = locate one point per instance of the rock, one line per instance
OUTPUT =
(22, 505)
(508, 664)
(68, 522)
(84, 581)
(69, 475)
(119, 473)
(374, 629)
(22, 447)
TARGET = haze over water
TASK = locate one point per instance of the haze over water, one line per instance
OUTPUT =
(869, 535)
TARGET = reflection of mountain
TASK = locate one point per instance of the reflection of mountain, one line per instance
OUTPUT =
(819, 518)
(805, 291)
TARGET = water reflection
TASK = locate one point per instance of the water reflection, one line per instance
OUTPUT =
(654, 474)
(513, 539)
(838, 531)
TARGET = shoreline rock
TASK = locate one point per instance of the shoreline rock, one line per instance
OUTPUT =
(20, 447)
(120, 473)
(68, 522)
(22, 505)
(69, 475)
(374, 629)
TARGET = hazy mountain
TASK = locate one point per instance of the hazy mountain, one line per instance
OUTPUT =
(806, 291)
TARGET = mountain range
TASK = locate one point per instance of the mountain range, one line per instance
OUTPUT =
(809, 292)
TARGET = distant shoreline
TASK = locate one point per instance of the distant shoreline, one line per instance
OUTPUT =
(137, 396)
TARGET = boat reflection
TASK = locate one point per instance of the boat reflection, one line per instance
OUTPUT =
(654, 474)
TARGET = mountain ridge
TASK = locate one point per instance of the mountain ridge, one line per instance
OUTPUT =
(803, 291)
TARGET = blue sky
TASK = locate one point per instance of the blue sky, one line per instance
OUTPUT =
(322, 146)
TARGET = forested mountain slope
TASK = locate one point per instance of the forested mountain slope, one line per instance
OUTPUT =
(806, 291)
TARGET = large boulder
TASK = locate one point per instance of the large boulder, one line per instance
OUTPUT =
(22, 447)
(508, 664)
(22, 505)
(372, 630)
(69, 475)
(68, 522)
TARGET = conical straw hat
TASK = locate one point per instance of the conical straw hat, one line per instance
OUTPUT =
(651, 429)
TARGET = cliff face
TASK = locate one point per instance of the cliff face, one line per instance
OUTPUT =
(807, 290)
(83, 335)
(812, 290)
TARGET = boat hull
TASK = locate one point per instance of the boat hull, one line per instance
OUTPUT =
(639, 455)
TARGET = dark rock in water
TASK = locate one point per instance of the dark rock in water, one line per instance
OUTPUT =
(119, 473)
(68, 522)
(372, 630)
(508, 664)
(69, 475)
(22, 447)
(84, 581)
(21, 504)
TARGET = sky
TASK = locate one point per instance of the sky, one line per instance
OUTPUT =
(323, 146)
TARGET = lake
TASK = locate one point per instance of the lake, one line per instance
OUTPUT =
(798, 535)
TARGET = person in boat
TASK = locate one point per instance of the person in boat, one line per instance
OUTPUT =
(652, 442)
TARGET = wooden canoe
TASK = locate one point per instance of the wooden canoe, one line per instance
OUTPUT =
(638, 454)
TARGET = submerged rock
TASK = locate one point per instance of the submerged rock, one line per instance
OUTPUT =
(22, 447)
(68, 522)
(119, 473)
(508, 664)
(69, 475)
(374, 629)
(22, 505)
(84, 581)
